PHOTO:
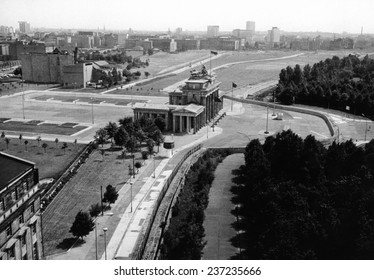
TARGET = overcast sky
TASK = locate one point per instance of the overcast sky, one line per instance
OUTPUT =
(193, 15)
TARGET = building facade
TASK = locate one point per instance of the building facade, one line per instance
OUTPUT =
(251, 26)
(24, 27)
(45, 68)
(20, 220)
(212, 31)
(190, 107)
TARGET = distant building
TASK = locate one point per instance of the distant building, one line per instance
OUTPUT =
(212, 31)
(24, 27)
(173, 46)
(45, 68)
(161, 44)
(83, 41)
(243, 35)
(190, 107)
(122, 39)
(251, 26)
(20, 219)
(225, 44)
(179, 33)
(274, 36)
(6, 29)
(110, 40)
(77, 75)
(187, 44)
(4, 49)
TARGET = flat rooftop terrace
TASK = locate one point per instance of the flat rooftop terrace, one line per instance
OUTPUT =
(12, 167)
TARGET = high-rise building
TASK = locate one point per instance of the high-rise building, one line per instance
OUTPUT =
(24, 27)
(251, 26)
(274, 35)
(212, 31)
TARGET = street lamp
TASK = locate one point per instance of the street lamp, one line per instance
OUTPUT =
(101, 196)
(105, 230)
(92, 111)
(267, 118)
(130, 196)
(23, 101)
(96, 239)
(154, 166)
(366, 126)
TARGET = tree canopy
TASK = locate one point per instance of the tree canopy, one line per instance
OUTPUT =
(301, 200)
(82, 225)
(334, 83)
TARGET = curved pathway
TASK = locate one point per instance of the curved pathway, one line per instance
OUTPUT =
(218, 218)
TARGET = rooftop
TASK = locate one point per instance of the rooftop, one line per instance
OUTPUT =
(11, 167)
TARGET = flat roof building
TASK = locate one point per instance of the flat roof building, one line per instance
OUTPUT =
(20, 222)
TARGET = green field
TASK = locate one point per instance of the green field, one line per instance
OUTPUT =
(79, 193)
(51, 163)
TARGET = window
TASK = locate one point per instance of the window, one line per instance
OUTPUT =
(23, 239)
(35, 251)
(33, 228)
(20, 219)
(1, 205)
(9, 231)
(11, 253)
(32, 208)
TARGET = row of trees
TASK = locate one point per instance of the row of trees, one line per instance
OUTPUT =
(132, 134)
(300, 200)
(333, 83)
(38, 139)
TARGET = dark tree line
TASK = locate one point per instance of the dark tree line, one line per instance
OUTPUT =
(300, 200)
(334, 83)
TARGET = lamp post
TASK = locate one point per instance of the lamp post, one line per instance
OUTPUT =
(105, 230)
(267, 118)
(366, 126)
(92, 111)
(23, 101)
(101, 196)
(273, 103)
(96, 238)
(130, 196)
(154, 166)
(133, 166)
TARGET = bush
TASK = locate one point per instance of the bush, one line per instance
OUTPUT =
(95, 210)
(145, 155)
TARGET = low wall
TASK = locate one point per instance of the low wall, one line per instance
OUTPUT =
(141, 243)
(330, 123)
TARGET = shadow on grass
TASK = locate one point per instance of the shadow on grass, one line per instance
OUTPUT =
(67, 243)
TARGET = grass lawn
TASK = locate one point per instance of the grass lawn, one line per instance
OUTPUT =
(51, 163)
(79, 193)
(48, 128)
(14, 87)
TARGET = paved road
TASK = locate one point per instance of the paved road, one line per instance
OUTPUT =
(218, 218)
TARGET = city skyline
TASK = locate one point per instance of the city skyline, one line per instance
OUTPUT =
(289, 15)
